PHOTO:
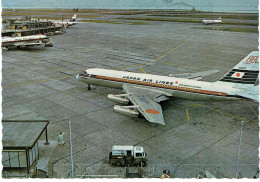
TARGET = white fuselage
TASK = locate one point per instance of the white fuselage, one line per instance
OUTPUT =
(211, 21)
(65, 23)
(9, 41)
(177, 87)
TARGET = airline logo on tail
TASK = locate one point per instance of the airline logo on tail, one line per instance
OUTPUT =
(245, 72)
(238, 75)
(252, 59)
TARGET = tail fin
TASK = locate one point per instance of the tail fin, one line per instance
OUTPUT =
(244, 73)
(73, 18)
(220, 18)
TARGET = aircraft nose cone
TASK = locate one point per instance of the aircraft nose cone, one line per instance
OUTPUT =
(77, 77)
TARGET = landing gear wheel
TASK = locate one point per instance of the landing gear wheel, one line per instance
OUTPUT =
(89, 88)
(143, 164)
(118, 164)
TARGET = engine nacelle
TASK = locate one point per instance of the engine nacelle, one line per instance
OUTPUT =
(127, 110)
(118, 98)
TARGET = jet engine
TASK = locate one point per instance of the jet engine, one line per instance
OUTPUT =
(127, 110)
(122, 99)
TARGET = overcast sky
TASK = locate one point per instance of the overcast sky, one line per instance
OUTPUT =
(132, 4)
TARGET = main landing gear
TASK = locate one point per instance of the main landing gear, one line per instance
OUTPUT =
(89, 88)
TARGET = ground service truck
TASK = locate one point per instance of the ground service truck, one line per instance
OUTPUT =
(127, 155)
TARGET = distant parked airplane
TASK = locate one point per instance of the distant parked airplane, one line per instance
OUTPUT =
(25, 41)
(145, 91)
(71, 22)
(207, 22)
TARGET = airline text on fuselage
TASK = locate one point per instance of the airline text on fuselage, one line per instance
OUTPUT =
(157, 81)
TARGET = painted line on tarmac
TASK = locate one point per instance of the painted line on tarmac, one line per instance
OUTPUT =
(142, 70)
(35, 82)
(250, 108)
(187, 114)
(197, 105)
(160, 56)
(237, 117)
(178, 65)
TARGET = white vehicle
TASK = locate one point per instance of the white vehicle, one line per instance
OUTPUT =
(145, 91)
(207, 22)
(71, 22)
(25, 41)
(127, 155)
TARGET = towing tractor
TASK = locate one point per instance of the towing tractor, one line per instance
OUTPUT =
(127, 155)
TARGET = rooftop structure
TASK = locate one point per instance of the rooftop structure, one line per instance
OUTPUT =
(29, 27)
(20, 143)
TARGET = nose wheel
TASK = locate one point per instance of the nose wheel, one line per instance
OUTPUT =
(89, 88)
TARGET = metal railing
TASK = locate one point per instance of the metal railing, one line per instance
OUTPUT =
(97, 176)
(99, 170)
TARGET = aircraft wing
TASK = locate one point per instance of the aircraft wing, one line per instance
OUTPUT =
(27, 44)
(147, 102)
(194, 76)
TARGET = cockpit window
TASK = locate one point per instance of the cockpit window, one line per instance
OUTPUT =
(84, 74)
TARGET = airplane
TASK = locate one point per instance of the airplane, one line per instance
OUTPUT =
(71, 22)
(58, 32)
(207, 22)
(25, 41)
(146, 91)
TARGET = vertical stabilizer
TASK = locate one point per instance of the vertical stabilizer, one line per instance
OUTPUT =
(73, 19)
(244, 73)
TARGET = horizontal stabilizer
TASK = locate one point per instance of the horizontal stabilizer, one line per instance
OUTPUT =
(194, 76)
(250, 93)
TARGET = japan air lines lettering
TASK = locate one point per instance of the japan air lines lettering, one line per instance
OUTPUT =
(159, 81)
(148, 80)
(176, 83)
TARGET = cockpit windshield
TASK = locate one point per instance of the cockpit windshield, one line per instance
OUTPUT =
(84, 74)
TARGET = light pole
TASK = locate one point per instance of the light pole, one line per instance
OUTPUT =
(239, 148)
(72, 175)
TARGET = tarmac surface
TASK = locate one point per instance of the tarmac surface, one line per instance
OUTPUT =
(40, 84)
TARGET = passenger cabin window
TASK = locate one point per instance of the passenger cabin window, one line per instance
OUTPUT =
(85, 74)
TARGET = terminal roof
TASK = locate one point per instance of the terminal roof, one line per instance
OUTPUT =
(22, 134)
